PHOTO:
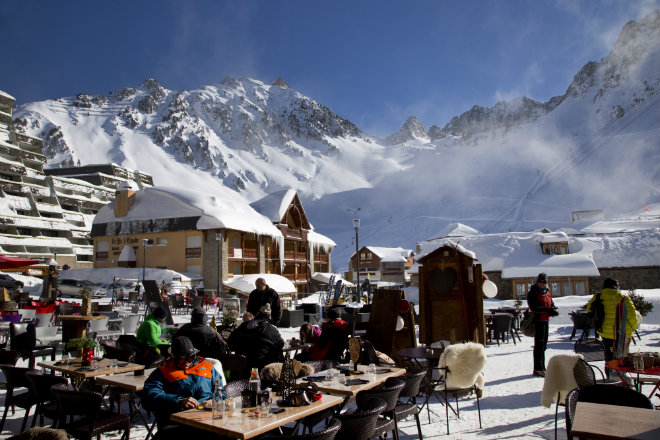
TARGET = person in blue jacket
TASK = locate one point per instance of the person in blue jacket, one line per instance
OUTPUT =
(184, 381)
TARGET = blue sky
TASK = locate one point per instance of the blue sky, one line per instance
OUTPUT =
(374, 62)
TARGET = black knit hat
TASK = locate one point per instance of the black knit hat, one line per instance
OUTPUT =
(542, 278)
(160, 312)
(198, 316)
(183, 347)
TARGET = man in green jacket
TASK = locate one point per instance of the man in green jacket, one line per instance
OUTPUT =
(149, 331)
(614, 301)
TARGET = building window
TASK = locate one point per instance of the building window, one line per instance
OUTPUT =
(102, 248)
(194, 246)
(161, 241)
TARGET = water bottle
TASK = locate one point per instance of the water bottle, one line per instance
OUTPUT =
(254, 385)
(218, 402)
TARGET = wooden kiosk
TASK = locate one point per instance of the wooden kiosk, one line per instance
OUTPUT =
(450, 296)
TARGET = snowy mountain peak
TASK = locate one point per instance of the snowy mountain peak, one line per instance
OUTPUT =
(412, 130)
(279, 82)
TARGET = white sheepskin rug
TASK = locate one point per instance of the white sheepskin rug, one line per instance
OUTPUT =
(559, 378)
(465, 362)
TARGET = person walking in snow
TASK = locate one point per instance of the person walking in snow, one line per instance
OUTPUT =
(539, 300)
(262, 295)
(617, 308)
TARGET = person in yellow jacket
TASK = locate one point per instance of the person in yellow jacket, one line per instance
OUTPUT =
(611, 297)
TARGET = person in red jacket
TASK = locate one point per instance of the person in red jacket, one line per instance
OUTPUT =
(333, 340)
(539, 300)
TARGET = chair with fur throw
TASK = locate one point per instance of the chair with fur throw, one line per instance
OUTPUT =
(462, 365)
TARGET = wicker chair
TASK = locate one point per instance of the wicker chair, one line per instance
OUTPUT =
(45, 400)
(321, 365)
(602, 393)
(234, 388)
(90, 420)
(389, 392)
(360, 424)
(413, 380)
(328, 433)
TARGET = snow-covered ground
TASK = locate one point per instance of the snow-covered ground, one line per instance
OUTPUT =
(511, 403)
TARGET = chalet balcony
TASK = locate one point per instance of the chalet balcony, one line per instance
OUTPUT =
(292, 233)
(242, 253)
(295, 256)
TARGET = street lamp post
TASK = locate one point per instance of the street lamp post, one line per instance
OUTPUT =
(356, 225)
(145, 241)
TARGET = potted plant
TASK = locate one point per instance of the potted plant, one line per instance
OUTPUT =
(85, 347)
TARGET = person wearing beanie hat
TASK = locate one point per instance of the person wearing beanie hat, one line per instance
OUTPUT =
(539, 300)
(258, 340)
(262, 295)
(209, 342)
(184, 381)
(149, 331)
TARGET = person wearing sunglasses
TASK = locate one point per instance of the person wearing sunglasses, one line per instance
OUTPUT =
(184, 381)
(539, 300)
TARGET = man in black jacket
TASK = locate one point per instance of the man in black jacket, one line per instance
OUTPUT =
(258, 340)
(262, 295)
(204, 338)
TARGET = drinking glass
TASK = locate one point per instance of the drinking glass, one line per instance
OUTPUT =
(264, 409)
(114, 364)
(65, 358)
(372, 368)
(638, 362)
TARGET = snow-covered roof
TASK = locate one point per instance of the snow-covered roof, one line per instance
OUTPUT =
(7, 95)
(390, 255)
(274, 205)
(320, 239)
(519, 255)
(215, 211)
(437, 244)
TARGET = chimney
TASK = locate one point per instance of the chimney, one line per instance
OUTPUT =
(124, 198)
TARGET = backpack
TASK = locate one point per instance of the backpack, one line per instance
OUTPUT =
(598, 313)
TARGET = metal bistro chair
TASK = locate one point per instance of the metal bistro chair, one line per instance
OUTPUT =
(327, 433)
(602, 393)
(502, 326)
(389, 392)
(88, 420)
(23, 338)
(15, 377)
(469, 358)
(581, 321)
(45, 400)
(359, 424)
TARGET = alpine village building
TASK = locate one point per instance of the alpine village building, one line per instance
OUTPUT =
(212, 236)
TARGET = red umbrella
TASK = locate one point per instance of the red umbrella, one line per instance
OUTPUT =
(14, 262)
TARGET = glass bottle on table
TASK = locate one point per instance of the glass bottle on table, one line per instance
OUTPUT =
(218, 402)
(254, 385)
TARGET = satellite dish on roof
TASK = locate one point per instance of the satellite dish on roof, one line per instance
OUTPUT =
(490, 289)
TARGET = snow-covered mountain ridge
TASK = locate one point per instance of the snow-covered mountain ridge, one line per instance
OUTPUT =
(518, 165)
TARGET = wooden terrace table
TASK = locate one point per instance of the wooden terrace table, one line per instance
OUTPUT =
(328, 386)
(133, 384)
(242, 424)
(79, 373)
(612, 422)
